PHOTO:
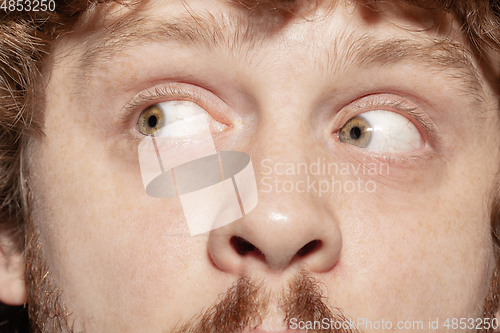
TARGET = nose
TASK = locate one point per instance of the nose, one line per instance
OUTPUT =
(282, 231)
(287, 227)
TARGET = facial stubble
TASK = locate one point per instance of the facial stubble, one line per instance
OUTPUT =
(242, 306)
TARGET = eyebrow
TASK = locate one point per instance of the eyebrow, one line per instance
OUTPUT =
(231, 32)
(240, 35)
(439, 55)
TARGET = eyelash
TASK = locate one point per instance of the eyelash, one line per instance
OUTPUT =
(161, 94)
(153, 96)
(404, 108)
(172, 91)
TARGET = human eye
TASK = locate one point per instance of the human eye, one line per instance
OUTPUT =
(382, 131)
(176, 118)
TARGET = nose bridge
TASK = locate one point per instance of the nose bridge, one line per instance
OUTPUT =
(289, 224)
(286, 214)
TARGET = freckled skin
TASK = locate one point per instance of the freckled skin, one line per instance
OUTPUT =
(418, 247)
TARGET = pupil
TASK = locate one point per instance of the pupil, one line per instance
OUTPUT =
(355, 133)
(152, 121)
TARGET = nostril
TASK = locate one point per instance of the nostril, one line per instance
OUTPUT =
(308, 248)
(241, 245)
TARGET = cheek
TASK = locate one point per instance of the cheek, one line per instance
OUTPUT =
(425, 252)
(106, 241)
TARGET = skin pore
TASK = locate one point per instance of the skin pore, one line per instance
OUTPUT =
(408, 244)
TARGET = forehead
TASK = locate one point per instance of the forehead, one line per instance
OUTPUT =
(223, 24)
(121, 45)
(332, 35)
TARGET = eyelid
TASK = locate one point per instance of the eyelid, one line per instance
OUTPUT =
(156, 95)
(396, 103)
(169, 92)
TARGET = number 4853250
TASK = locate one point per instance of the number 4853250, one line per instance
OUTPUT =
(470, 323)
(27, 5)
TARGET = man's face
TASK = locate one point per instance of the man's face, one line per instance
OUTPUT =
(389, 220)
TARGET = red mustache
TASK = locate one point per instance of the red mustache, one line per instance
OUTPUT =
(244, 306)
